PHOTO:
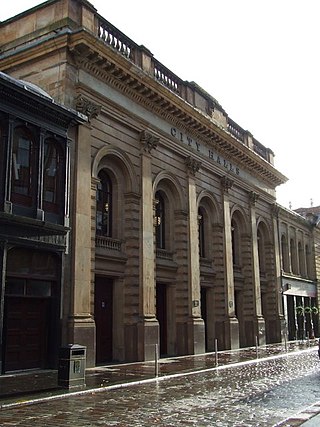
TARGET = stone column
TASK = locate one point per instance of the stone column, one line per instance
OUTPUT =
(148, 328)
(231, 324)
(259, 323)
(280, 327)
(81, 323)
(3, 262)
(196, 328)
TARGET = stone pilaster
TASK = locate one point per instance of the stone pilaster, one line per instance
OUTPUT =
(3, 262)
(259, 323)
(231, 324)
(196, 330)
(279, 326)
(81, 323)
(148, 328)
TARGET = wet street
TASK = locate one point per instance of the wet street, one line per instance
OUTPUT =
(254, 394)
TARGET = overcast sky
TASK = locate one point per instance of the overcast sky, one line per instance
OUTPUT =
(258, 58)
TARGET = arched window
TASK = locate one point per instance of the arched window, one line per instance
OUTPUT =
(201, 226)
(53, 176)
(235, 243)
(261, 252)
(293, 256)
(301, 260)
(284, 254)
(308, 262)
(104, 205)
(24, 168)
(160, 221)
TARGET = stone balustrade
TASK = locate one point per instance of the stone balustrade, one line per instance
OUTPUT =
(108, 243)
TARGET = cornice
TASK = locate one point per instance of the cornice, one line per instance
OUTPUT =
(92, 55)
(116, 70)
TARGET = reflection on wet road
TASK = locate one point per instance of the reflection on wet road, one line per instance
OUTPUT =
(257, 394)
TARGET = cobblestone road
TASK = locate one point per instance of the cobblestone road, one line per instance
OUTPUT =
(258, 394)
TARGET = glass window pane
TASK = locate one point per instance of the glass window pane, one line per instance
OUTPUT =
(21, 167)
(104, 205)
(53, 176)
(38, 288)
(15, 286)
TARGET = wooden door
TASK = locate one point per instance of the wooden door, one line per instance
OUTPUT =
(161, 313)
(204, 313)
(25, 333)
(103, 312)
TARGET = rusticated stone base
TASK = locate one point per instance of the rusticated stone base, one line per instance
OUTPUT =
(82, 331)
(231, 332)
(196, 336)
(148, 337)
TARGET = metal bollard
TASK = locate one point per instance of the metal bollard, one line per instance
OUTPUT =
(257, 347)
(216, 351)
(156, 361)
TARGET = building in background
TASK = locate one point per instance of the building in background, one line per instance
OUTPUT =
(175, 235)
(298, 242)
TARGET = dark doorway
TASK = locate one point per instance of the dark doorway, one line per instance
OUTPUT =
(204, 313)
(103, 312)
(26, 333)
(31, 310)
(161, 313)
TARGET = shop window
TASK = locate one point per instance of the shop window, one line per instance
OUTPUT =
(160, 221)
(53, 176)
(24, 168)
(104, 205)
(25, 263)
(28, 287)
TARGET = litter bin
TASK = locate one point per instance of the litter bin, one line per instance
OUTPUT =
(72, 366)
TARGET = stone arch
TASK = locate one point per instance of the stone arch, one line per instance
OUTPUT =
(168, 187)
(239, 228)
(116, 159)
(171, 184)
(209, 200)
(116, 164)
(209, 216)
(264, 245)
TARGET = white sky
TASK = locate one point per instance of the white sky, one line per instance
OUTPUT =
(258, 58)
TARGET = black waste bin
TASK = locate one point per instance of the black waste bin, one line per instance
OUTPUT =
(72, 366)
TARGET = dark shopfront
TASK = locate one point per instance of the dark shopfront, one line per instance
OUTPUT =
(34, 222)
(31, 310)
(301, 309)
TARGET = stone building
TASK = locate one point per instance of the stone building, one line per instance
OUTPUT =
(299, 247)
(174, 225)
(34, 222)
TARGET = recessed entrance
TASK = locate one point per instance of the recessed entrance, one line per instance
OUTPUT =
(204, 313)
(161, 313)
(103, 313)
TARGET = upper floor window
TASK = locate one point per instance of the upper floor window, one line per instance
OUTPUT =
(261, 252)
(53, 173)
(24, 167)
(235, 243)
(160, 221)
(201, 226)
(104, 205)
(293, 255)
(301, 260)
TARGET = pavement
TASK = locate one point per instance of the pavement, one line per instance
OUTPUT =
(33, 387)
